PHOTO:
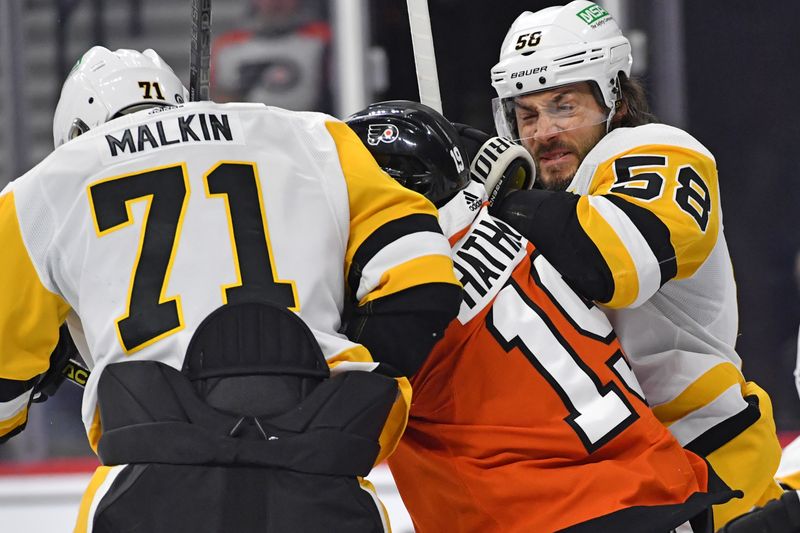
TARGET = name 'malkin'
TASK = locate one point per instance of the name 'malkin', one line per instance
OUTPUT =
(181, 129)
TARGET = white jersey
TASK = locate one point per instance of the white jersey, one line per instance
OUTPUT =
(139, 229)
(650, 204)
(689, 324)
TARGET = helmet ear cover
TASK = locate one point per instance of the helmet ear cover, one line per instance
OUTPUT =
(416, 146)
(77, 129)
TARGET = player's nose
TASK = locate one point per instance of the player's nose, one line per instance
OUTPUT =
(547, 127)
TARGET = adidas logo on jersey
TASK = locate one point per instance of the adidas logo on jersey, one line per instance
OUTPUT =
(474, 202)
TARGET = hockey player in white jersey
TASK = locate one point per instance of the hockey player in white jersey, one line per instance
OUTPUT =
(202, 255)
(628, 211)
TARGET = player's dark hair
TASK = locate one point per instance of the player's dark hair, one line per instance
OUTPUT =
(634, 101)
(633, 108)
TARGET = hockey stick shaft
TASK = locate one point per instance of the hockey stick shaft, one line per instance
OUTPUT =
(76, 373)
(200, 55)
(424, 57)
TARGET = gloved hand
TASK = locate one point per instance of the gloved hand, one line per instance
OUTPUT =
(777, 516)
(501, 165)
(49, 382)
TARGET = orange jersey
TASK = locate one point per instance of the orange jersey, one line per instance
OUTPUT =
(526, 416)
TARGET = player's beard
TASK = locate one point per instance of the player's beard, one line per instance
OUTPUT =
(559, 178)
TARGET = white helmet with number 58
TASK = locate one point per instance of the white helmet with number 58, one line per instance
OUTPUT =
(558, 46)
(104, 85)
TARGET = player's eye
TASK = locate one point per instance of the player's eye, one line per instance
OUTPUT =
(563, 108)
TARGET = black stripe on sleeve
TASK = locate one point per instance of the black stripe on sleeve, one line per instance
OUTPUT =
(401, 329)
(12, 388)
(652, 518)
(549, 220)
(655, 232)
(726, 430)
(16, 431)
(385, 235)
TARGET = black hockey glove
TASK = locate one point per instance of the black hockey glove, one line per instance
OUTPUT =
(777, 516)
(498, 163)
(50, 381)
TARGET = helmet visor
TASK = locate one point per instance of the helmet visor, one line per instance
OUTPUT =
(540, 114)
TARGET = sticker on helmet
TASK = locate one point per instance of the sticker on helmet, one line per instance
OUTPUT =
(455, 153)
(382, 133)
(528, 40)
(592, 14)
(148, 87)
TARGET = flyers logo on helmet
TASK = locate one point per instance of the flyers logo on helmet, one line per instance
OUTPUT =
(378, 133)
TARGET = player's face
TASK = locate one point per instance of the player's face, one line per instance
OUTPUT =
(559, 127)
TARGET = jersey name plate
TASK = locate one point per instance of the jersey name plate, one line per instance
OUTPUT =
(484, 259)
(172, 129)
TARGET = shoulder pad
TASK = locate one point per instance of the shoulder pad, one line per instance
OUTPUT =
(650, 137)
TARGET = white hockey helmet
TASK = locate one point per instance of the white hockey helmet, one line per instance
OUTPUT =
(558, 46)
(104, 85)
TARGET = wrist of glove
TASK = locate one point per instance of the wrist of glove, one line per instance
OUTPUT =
(50, 381)
(501, 165)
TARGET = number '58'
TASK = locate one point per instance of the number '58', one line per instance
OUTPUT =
(528, 39)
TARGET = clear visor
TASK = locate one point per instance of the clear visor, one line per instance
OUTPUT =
(545, 113)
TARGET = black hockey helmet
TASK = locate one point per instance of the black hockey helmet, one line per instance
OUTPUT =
(416, 146)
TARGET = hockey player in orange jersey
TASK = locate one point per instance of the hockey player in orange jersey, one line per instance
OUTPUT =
(526, 416)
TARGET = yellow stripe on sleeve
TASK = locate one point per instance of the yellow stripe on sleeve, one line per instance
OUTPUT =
(701, 392)
(748, 462)
(356, 354)
(6, 426)
(418, 271)
(95, 430)
(792, 480)
(30, 315)
(374, 197)
(688, 202)
(370, 488)
(614, 252)
(99, 476)
(396, 421)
